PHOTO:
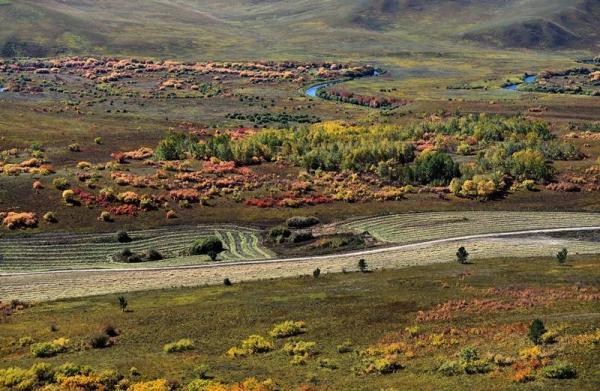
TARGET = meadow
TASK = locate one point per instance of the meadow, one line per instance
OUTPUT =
(419, 327)
(69, 251)
(195, 271)
(255, 195)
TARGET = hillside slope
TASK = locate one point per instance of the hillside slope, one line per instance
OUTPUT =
(282, 28)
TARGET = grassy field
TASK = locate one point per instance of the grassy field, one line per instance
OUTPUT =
(51, 286)
(263, 29)
(214, 69)
(60, 251)
(69, 251)
(414, 227)
(499, 297)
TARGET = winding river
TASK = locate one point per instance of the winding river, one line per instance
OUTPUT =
(527, 80)
(313, 90)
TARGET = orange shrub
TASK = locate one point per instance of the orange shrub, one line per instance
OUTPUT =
(129, 197)
(15, 220)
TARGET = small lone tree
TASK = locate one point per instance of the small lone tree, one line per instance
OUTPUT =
(316, 273)
(536, 330)
(462, 255)
(362, 265)
(211, 246)
(561, 256)
(123, 237)
(122, 303)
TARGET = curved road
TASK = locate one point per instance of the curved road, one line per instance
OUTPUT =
(316, 257)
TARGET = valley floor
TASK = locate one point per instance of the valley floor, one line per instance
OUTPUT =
(423, 319)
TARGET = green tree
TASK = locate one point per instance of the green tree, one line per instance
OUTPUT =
(529, 164)
(536, 330)
(123, 237)
(316, 273)
(462, 255)
(211, 246)
(561, 256)
(362, 265)
(122, 303)
(435, 167)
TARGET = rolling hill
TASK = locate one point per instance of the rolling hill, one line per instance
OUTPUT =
(283, 29)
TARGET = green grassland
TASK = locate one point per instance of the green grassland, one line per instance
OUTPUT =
(370, 309)
(332, 28)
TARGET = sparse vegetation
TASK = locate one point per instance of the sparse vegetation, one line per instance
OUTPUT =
(179, 346)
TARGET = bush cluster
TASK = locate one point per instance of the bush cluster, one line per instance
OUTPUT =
(49, 349)
(179, 346)
(289, 328)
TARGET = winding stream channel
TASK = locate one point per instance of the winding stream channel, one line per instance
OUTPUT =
(313, 90)
(527, 80)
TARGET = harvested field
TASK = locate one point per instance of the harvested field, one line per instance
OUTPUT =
(51, 286)
(415, 227)
(71, 251)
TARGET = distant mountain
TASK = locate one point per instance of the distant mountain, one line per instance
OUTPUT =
(291, 28)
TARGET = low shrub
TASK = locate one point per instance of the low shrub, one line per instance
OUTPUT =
(153, 255)
(202, 371)
(549, 337)
(302, 236)
(501, 360)
(523, 375)
(384, 365)
(345, 347)
(300, 348)
(49, 349)
(60, 183)
(302, 221)
(531, 353)
(288, 328)
(100, 341)
(50, 217)
(468, 354)
(179, 346)
(110, 379)
(69, 369)
(298, 360)
(413, 331)
(559, 371)
(477, 366)
(25, 341)
(450, 368)
(251, 345)
(279, 234)
(123, 237)
(68, 196)
(203, 385)
(16, 379)
(135, 258)
(74, 147)
(154, 385)
(16, 220)
(110, 330)
(328, 364)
